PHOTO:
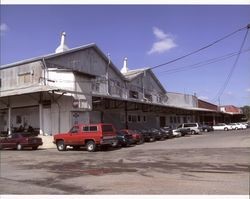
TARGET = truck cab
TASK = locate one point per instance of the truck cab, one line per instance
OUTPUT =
(89, 135)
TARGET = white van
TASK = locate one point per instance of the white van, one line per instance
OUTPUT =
(194, 127)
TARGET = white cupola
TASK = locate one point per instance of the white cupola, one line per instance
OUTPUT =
(62, 47)
(125, 66)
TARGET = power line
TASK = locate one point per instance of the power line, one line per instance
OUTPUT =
(222, 89)
(203, 63)
(200, 49)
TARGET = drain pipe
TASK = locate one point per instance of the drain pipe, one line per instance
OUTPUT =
(59, 116)
(45, 71)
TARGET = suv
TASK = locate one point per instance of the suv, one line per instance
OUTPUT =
(194, 127)
(89, 135)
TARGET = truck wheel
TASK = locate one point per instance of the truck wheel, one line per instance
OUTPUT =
(34, 147)
(91, 146)
(61, 146)
(19, 147)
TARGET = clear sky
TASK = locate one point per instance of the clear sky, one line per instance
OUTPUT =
(148, 35)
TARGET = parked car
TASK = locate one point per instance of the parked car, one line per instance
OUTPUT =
(205, 128)
(181, 131)
(243, 126)
(159, 134)
(148, 135)
(222, 126)
(136, 135)
(124, 139)
(89, 135)
(194, 127)
(168, 131)
(237, 126)
(19, 141)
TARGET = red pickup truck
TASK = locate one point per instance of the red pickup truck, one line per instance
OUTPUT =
(89, 135)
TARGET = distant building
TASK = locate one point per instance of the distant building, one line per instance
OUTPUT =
(230, 109)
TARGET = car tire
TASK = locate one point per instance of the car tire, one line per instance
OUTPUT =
(192, 132)
(226, 129)
(236, 128)
(34, 147)
(206, 130)
(141, 141)
(91, 146)
(115, 144)
(60, 145)
(152, 139)
(19, 147)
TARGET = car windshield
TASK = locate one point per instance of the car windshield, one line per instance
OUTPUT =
(179, 126)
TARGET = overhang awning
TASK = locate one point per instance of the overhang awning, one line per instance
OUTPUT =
(26, 90)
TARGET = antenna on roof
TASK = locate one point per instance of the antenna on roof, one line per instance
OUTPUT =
(125, 66)
(62, 47)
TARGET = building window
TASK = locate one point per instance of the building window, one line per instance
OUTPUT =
(132, 118)
(96, 86)
(144, 118)
(178, 119)
(122, 116)
(171, 119)
(159, 99)
(18, 119)
(184, 119)
(133, 94)
(24, 78)
(148, 97)
(138, 118)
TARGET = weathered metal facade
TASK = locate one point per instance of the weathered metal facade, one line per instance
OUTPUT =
(53, 92)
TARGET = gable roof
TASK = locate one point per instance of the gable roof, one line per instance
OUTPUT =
(72, 50)
(133, 74)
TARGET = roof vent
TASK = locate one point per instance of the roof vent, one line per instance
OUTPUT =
(125, 66)
(62, 47)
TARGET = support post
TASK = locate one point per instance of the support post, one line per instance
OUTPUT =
(41, 119)
(9, 120)
(214, 122)
(126, 115)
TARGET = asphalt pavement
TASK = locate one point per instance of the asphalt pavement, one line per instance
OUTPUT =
(212, 163)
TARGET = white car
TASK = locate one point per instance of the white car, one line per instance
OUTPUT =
(176, 133)
(236, 126)
(242, 126)
(222, 126)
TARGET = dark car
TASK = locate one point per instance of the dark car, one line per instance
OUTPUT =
(206, 128)
(159, 134)
(124, 139)
(183, 131)
(19, 141)
(148, 135)
(137, 137)
(168, 131)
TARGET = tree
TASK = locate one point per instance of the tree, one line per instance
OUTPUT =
(246, 111)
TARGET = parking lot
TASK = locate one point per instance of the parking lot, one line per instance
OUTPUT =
(212, 163)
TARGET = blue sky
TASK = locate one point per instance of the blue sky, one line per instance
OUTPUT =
(148, 35)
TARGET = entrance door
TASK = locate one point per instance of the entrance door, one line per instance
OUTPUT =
(162, 121)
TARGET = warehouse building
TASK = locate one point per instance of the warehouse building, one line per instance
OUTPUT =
(53, 92)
